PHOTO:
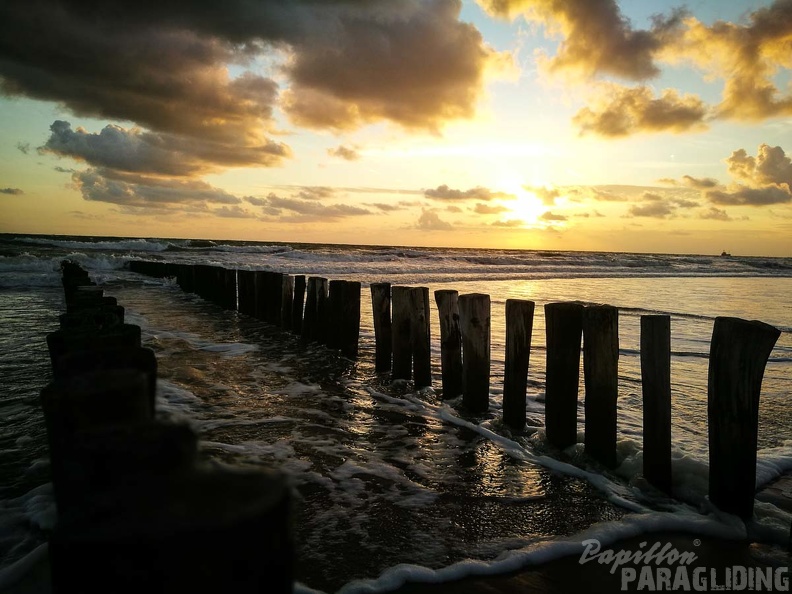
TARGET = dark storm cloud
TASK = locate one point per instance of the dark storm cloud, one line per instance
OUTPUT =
(164, 66)
(157, 153)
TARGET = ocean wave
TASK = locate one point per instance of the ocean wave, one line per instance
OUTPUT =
(142, 245)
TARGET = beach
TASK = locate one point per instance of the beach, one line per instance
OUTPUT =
(386, 476)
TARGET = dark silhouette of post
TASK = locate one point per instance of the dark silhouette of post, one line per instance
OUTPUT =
(656, 389)
(322, 310)
(298, 304)
(349, 335)
(738, 355)
(450, 342)
(474, 324)
(335, 308)
(563, 328)
(519, 328)
(383, 338)
(310, 318)
(420, 338)
(400, 332)
(287, 298)
(601, 377)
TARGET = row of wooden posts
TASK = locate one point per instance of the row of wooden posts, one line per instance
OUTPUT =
(401, 320)
(136, 510)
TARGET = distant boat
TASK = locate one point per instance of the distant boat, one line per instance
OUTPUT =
(725, 254)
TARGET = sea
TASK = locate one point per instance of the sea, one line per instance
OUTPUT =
(390, 483)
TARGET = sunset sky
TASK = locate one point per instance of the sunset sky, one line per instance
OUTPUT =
(539, 124)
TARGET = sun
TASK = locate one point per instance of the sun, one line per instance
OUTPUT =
(525, 206)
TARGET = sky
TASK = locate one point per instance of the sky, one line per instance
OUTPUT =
(537, 124)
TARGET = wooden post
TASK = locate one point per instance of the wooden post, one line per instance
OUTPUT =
(274, 297)
(230, 289)
(656, 388)
(322, 313)
(287, 299)
(350, 316)
(601, 377)
(309, 320)
(738, 355)
(564, 327)
(298, 304)
(474, 324)
(383, 336)
(334, 322)
(450, 342)
(519, 328)
(400, 332)
(420, 338)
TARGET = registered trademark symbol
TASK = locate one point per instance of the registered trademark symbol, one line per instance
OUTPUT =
(696, 542)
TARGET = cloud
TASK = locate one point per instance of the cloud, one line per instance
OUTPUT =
(60, 169)
(746, 56)
(596, 37)
(704, 183)
(510, 223)
(435, 66)
(478, 193)
(136, 150)
(315, 192)
(549, 216)
(716, 214)
(430, 221)
(344, 152)
(486, 209)
(770, 166)
(233, 212)
(23, 147)
(741, 195)
(308, 209)
(657, 210)
(620, 111)
(209, 72)
(385, 207)
(12, 191)
(140, 191)
(546, 195)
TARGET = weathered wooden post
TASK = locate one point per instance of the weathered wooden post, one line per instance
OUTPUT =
(474, 324)
(257, 293)
(656, 389)
(400, 332)
(275, 297)
(334, 321)
(420, 338)
(322, 313)
(450, 342)
(230, 289)
(350, 316)
(519, 329)
(601, 377)
(383, 337)
(244, 279)
(287, 300)
(298, 304)
(310, 318)
(563, 327)
(738, 355)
